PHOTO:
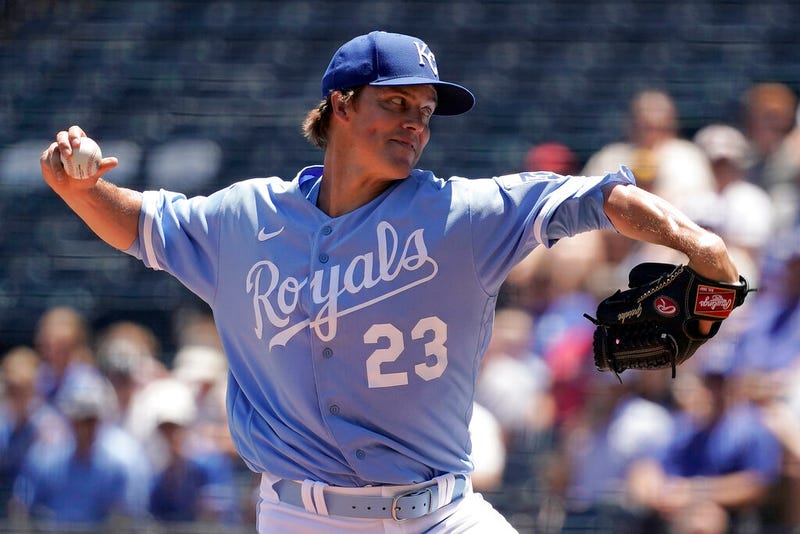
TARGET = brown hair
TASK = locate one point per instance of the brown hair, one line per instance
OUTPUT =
(315, 125)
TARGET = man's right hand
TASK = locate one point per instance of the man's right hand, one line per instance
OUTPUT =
(111, 212)
(53, 171)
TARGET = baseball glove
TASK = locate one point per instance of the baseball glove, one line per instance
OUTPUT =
(654, 324)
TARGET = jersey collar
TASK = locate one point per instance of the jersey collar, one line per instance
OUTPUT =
(308, 181)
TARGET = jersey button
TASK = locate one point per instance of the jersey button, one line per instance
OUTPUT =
(327, 352)
(327, 230)
(334, 409)
(323, 258)
(360, 454)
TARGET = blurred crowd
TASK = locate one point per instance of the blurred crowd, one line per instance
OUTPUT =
(713, 450)
(96, 429)
(100, 427)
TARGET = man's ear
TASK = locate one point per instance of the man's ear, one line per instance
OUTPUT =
(339, 106)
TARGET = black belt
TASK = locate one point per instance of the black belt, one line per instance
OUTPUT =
(410, 504)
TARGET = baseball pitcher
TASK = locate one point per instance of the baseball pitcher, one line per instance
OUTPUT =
(355, 301)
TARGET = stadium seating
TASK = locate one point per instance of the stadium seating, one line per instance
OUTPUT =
(238, 76)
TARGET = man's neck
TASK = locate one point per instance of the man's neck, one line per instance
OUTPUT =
(339, 196)
(347, 187)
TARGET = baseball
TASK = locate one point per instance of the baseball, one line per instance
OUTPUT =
(84, 161)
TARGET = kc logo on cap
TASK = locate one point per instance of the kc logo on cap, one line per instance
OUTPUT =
(426, 53)
(390, 59)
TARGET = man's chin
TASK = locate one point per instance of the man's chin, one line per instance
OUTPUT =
(403, 163)
(400, 172)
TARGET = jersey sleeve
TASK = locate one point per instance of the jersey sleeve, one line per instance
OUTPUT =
(513, 214)
(181, 236)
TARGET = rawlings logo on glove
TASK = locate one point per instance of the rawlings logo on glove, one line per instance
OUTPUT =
(654, 324)
(715, 301)
(666, 306)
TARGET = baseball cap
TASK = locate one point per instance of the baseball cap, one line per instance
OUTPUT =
(551, 156)
(172, 401)
(720, 141)
(197, 363)
(388, 59)
(85, 396)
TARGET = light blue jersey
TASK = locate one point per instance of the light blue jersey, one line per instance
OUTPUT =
(354, 342)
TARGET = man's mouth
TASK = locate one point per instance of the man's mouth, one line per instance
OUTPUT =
(408, 144)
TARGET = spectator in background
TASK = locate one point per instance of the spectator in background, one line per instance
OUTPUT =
(557, 288)
(205, 371)
(785, 187)
(128, 355)
(769, 115)
(180, 417)
(198, 366)
(25, 417)
(664, 163)
(770, 124)
(488, 450)
(771, 341)
(667, 165)
(62, 340)
(780, 405)
(513, 383)
(766, 360)
(718, 467)
(740, 211)
(194, 326)
(191, 485)
(513, 387)
(200, 363)
(553, 157)
(620, 423)
(85, 480)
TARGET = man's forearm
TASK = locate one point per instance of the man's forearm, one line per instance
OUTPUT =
(640, 215)
(736, 490)
(111, 212)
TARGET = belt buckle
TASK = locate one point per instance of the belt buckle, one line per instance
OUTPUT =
(413, 493)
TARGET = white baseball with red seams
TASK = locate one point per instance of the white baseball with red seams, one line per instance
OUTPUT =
(85, 160)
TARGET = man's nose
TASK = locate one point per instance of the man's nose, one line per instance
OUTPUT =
(416, 120)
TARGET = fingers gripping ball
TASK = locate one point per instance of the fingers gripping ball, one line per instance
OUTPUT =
(655, 323)
(85, 160)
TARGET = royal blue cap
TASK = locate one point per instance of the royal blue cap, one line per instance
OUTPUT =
(382, 58)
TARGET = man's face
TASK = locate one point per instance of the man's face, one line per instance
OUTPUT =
(390, 128)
